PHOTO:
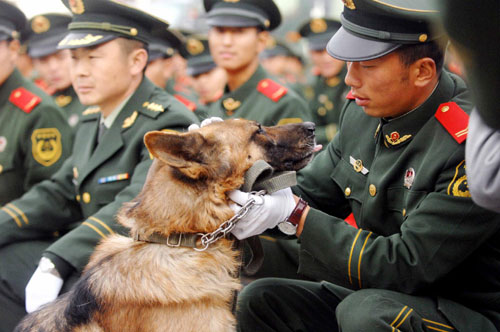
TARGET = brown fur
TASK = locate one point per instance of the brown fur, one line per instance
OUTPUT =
(138, 286)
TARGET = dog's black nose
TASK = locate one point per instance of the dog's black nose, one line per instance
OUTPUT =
(310, 127)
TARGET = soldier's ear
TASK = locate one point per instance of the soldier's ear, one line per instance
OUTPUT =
(263, 39)
(182, 151)
(423, 72)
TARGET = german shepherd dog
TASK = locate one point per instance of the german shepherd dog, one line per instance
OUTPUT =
(131, 285)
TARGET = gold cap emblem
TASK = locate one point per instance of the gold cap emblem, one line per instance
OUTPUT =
(76, 6)
(318, 25)
(194, 46)
(40, 24)
(349, 4)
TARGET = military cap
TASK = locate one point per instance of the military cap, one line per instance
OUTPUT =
(373, 28)
(45, 32)
(98, 21)
(164, 44)
(197, 53)
(243, 13)
(12, 21)
(318, 32)
(275, 48)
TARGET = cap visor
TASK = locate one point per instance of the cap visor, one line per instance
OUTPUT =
(234, 21)
(349, 47)
(44, 47)
(84, 39)
(199, 69)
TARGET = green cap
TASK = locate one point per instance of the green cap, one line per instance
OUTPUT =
(318, 32)
(12, 21)
(276, 47)
(243, 13)
(164, 44)
(197, 52)
(373, 28)
(45, 32)
(98, 21)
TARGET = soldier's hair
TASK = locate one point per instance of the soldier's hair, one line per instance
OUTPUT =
(411, 53)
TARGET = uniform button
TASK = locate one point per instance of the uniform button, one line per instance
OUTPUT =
(348, 191)
(86, 198)
(1, 169)
(78, 198)
(373, 190)
(404, 212)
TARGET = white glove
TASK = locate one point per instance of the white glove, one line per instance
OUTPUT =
(268, 211)
(42, 288)
(205, 122)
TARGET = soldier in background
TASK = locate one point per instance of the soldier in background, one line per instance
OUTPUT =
(52, 65)
(35, 138)
(208, 79)
(326, 89)
(238, 33)
(48, 235)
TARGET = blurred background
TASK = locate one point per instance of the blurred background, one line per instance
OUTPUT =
(188, 14)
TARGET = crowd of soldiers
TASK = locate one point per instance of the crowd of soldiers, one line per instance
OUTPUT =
(386, 235)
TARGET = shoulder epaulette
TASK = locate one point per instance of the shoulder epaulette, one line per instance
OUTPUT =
(271, 89)
(349, 95)
(454, 120)
(154, 107)
(188, 103)
(24, 99)
(92, 110)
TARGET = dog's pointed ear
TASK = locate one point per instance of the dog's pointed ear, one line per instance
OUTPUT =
(179, 150)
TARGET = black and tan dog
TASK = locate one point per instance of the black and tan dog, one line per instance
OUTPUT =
(132, 285)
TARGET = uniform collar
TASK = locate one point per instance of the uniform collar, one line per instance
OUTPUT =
(401, 130)
(235, 98)
(108, 121)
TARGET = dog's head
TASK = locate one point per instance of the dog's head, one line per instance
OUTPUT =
(193, 171)
(227, 149)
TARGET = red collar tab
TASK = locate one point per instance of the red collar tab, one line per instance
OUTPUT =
(24, 99)
(271, 89)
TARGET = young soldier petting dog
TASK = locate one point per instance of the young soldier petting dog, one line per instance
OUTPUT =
(161, 278)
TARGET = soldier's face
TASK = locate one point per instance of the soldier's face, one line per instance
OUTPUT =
(210, 85)
(236, 48)
(54, 69)
(101, 75)
(383, 87)
(8, 57)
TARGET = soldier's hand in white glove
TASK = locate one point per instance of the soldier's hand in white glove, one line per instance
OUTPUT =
(205, 122)
(43, 287)
(268, 211)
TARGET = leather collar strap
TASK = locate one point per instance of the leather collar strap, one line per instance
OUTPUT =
(174, 240)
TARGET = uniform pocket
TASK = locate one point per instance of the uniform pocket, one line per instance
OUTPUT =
(352, 182)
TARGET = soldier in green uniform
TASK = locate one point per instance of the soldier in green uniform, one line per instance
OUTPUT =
(62, 219)
(45, 33)
(34, 136)
(326, 89)
(238, 33)
(208, 79)
(423, 257)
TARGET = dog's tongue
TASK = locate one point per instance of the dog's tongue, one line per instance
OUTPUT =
(318, 147)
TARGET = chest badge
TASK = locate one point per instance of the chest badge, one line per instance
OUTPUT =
(357, 164)
(409, 178)
(130, 120)
(231, 105)
(396, 138)
(3, 143)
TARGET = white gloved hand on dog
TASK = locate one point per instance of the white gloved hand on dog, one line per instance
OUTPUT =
(205, 122)
(268, 211)
(42, 288)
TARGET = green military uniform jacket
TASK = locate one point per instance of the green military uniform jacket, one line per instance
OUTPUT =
(34, 137)
(263, 100)
(419, 231)
(326, 97)
(84, 196)
(68, 100)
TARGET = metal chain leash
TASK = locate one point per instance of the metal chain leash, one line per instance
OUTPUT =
(227, 226)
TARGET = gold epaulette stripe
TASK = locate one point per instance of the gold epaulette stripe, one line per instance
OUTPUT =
(13, 215)
(19, 212)
(361, 256)
(436, 323)
(94, 228)
(350, 255)
(102, 224)
(435, 328)
(399, 315)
